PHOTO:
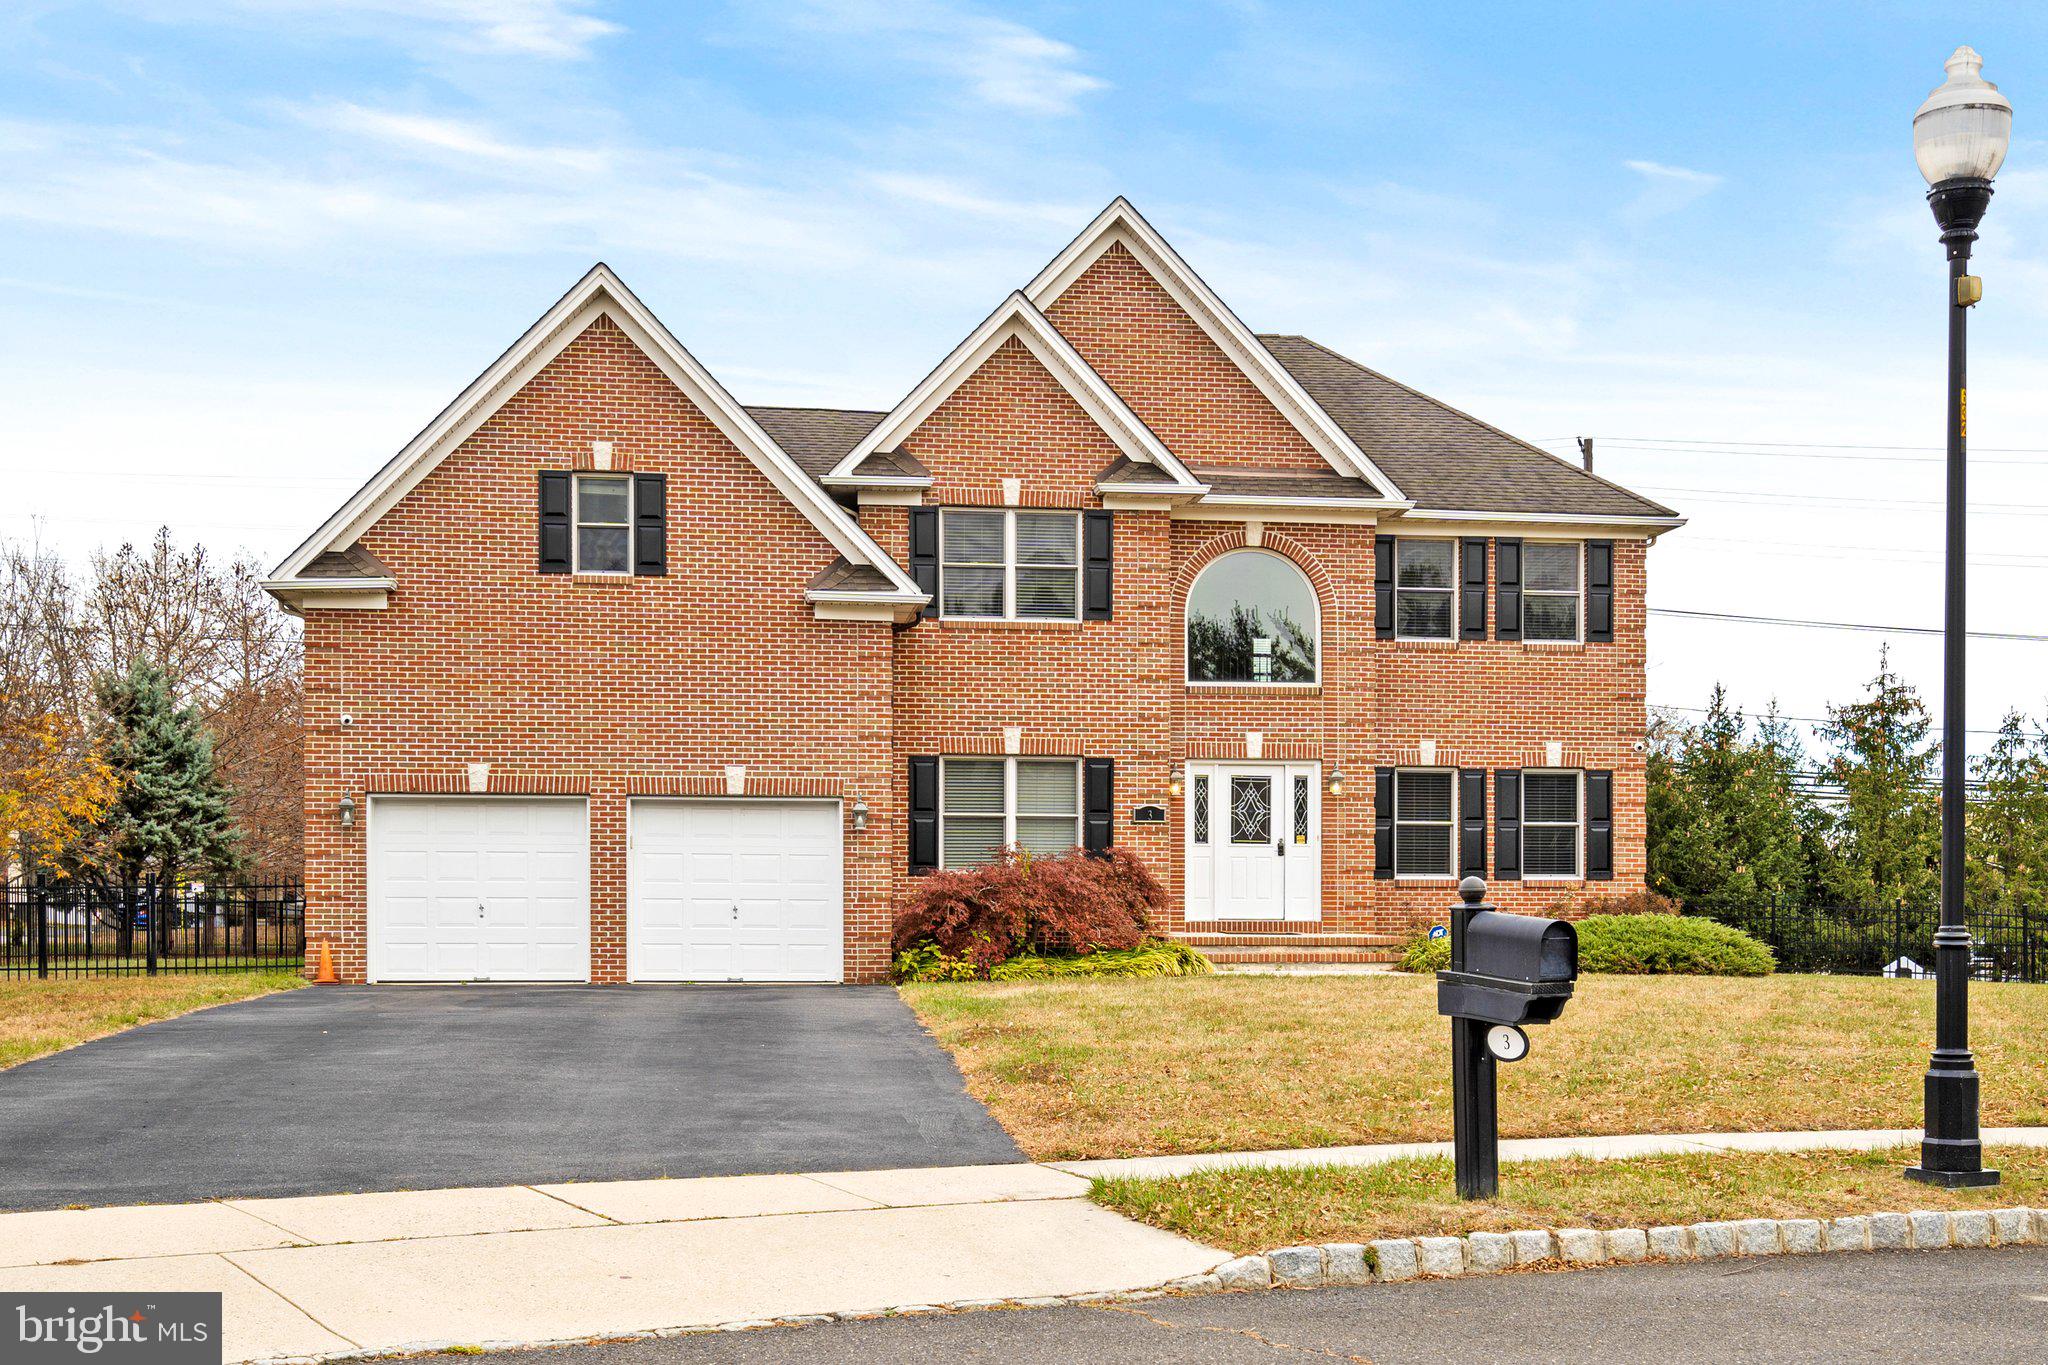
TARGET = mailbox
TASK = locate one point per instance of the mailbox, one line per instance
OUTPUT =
(1513, 969)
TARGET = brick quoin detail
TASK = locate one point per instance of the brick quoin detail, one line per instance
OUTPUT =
(616, 688)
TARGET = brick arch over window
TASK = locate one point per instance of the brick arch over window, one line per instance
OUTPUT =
(1283, 547)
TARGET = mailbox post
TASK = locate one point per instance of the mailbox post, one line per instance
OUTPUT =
(1506, 971)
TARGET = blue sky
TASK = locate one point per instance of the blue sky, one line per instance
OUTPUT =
(247, 247)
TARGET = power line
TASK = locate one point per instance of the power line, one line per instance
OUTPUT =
(1837, 625)
(1750, 497)
(1761, 715)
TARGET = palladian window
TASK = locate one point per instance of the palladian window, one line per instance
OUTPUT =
(1252, 619)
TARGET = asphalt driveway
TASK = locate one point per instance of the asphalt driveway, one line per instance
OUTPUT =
(342, 1088)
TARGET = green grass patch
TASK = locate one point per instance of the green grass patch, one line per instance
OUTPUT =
(1259, 1209)
(40, 1017)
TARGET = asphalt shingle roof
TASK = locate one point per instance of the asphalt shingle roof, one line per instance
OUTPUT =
(1443, 458)
(816, 438)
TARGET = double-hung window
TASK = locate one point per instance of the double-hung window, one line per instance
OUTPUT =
(1423, 822)
(989, 804)
(604, 523)
(1425, 589)
(1010, 565)
(1553, 830)
(1551, 574)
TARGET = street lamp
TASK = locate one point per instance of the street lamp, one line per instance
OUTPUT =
(1959, 138)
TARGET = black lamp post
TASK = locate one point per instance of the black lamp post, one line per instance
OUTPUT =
(1959, 137)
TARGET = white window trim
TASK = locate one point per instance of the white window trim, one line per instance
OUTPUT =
(1578, 637)
(1010, 811)
(1450, 594)
(1450, 873)
(1010, 565)
(1315, 601)
(576, 522)
(1578, 827)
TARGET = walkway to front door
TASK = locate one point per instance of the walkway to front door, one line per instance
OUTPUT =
(1254, 842)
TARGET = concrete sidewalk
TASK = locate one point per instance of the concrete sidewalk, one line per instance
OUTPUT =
(346, 1274)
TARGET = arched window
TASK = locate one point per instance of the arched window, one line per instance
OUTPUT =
(1252, 619)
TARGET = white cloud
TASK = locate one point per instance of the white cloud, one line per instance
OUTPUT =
(999, 62)
(1667, 189)
(458, 138)
(940, 192)
(557, 30)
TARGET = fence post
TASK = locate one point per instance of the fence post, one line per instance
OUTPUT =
(152, 910)
(39, 910)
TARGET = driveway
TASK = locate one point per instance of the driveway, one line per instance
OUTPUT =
(342, 1088)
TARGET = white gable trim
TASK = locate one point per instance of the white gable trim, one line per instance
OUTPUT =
(1017, 318)
(598, 294)
(1121, 224)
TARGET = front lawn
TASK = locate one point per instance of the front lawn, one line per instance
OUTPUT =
(39, 1017)
(1235, 1063)
(1256, 1210)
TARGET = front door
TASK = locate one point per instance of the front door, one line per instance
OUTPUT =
(1254, 844)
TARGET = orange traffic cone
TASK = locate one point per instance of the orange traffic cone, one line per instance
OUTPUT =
(324, 974)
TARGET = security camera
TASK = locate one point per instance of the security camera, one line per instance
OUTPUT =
(1639, 746)
(347, 719)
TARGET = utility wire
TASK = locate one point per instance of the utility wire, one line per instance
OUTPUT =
(1837, 625)
(1761, 715)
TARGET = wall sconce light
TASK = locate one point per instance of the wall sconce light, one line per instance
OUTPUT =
(1173, 781)
(860, 814)
(1336, 784)
(347, 811)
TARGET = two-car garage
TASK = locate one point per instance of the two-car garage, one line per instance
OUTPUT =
(498, 888)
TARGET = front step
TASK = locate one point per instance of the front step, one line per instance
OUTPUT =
(1206, 939)
(1307, 951)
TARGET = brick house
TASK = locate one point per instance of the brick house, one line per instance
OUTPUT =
(611, 678)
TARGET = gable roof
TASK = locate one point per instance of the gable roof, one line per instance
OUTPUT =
(1016, 318)
(1122, 224)
(816, 438)
(1447, 460)
(600, 293)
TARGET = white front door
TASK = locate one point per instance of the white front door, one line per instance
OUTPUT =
(1254, 842)
(735, 889)
(479, 888)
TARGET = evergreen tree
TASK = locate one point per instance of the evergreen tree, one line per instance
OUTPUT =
(1890, 838)
(170, 816)
(2007, 830)
(1725, 828)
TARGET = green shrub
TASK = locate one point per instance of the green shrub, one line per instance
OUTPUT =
(1154, 957)
(1636, 945)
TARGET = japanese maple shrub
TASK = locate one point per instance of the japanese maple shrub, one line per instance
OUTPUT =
(1070, 904)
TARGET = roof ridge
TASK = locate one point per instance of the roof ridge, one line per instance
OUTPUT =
(1475, 421)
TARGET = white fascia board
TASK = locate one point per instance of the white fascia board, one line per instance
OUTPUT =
(1018, 318)
(1335, 513)
(1121, 223)
(858, 481)
(1419, 520)
(326, 584)
(598, 293)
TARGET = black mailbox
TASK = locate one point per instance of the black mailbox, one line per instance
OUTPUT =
(1506, 969)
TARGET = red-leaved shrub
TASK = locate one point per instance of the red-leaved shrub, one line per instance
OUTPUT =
(1069, 903)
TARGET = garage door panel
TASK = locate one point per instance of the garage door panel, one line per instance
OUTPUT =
(694, 862)
(479, 888)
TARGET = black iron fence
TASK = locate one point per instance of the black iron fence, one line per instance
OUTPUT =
(72, 928)
(2010, 942)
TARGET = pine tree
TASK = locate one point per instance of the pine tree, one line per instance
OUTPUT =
(170, 816)
(1890, 839)
(2007, 831)
(1725, 826)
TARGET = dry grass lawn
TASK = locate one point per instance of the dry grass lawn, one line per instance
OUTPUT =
(1257, 1210)
(1235, 1063)
(40, 1017)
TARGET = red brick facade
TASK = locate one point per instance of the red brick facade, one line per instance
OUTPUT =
(613, 687)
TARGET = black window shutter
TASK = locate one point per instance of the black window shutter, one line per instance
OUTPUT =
(924, 554)
(1383, 587)
(1472, 599)
(1098, 563)
(1383, 823)
(1507, 825)
(924, 815)
(1472, 822)
(1099, 808)
(1600, 591)
(555, 549)
(1600, 826)
(1507, 590)
(650, 524)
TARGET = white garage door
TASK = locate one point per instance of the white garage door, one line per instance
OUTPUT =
(479, 888)
(737, 890)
